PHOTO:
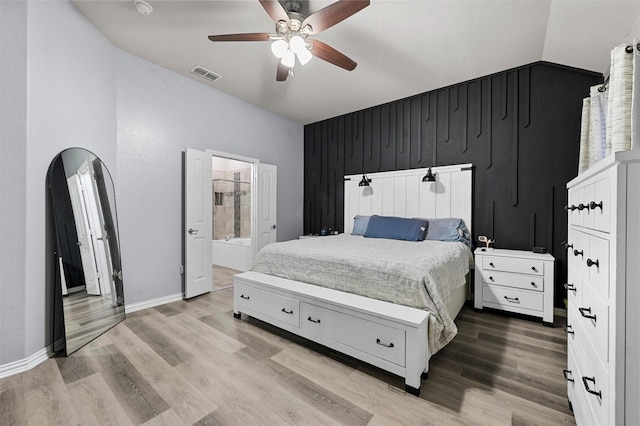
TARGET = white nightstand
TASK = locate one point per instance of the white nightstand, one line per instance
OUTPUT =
(515, 281)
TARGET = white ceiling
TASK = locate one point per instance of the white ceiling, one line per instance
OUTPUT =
(402, 47)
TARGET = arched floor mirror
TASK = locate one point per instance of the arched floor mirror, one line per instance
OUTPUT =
(88, 288)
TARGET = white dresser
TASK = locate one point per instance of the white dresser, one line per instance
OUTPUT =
(603, 286)
(515, 281)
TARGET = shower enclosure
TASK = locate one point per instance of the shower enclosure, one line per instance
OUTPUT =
(231, 214)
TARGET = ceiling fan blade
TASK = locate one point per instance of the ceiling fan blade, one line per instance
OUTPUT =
(332, 14)
(241, 37)
(282, 72)
(327, 53)
(275, 10)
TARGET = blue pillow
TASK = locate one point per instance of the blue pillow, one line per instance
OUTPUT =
(360, 224)
(449, 229)
(396, 228)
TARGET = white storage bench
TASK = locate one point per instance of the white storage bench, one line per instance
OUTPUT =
(389, 336)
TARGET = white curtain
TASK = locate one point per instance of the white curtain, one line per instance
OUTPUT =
(635, 97)
(598, 124)
(611, 115)
(583, 163)
(620, 83)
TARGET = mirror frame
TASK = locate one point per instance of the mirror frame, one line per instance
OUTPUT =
(85, 303)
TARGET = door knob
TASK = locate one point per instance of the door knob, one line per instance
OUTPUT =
(192, 231)
(273, 226)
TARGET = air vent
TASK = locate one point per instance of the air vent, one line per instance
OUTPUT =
(205, 73)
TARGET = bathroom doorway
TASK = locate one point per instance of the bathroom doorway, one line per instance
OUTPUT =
(229, 215)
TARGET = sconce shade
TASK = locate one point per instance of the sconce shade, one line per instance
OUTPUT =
(364, 181)
(429, 177)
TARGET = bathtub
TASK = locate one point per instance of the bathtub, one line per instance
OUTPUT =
(235, 253)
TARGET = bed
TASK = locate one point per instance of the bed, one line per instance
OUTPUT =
(385, 301)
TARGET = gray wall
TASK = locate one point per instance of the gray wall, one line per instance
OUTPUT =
(13, 158)
(159, 114)
(79, 90)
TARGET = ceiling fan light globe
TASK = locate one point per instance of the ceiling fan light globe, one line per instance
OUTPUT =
(288, 59)
(304, 56)
(279, 48)
(297, 44)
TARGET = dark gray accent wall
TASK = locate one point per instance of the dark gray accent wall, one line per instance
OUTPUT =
(520, 128)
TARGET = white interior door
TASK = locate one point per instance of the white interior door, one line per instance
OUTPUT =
(266, 183)
(198, 223)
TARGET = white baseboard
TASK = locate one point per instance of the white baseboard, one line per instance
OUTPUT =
(42, 355)
(26, 364)
(152, 302)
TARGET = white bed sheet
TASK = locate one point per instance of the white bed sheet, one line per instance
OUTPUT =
(420, 274)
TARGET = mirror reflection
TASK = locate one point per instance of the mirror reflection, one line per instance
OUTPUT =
(88, 294)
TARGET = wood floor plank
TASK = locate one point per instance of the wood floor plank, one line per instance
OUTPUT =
(158, 341)
(138, 398)
(13, 406)
(95, 403)
(183, 398)
(46, 398)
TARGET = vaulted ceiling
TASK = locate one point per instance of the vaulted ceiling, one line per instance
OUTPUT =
(402, 47)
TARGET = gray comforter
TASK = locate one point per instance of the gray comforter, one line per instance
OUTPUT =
(418, 274)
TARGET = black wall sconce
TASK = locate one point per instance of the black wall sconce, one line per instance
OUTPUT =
(365, 181)
(429, 177)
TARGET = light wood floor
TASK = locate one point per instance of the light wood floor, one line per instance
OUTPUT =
(192, 363)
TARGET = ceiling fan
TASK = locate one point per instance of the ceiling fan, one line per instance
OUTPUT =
(291, 37)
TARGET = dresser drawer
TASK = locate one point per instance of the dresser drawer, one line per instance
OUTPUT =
(598, 273)
(574, 287)
(512, 299)
(275, 306)
(528, 282)
(589, 205)
(373, 338)
(507, 264)
(594, 320)
(592, 384)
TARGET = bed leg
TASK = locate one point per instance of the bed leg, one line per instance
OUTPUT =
(412, 390)
(237, 315)
(424, 375)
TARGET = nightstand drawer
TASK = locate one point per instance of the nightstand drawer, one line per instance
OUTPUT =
(521, 266)
(514, 280)
(511, 298)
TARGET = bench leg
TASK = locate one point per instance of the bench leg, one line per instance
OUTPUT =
(412, 390)
(237, 315)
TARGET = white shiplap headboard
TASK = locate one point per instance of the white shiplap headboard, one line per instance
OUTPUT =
(402, 193)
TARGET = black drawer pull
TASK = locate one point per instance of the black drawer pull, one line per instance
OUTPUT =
(491, 264)
(242, 296)
(593, 205)
(569, 329)
(534, 284)
(588, 313)
(566, 375)
(585, 381)
(512, 299)
(287, 312)
(491, 278)
(571, 207)
(576, 252)
(569, 246)
(390, 345)
(570, 287)
(581, 207)
(312, 320)
(533, 268)
(590, 263)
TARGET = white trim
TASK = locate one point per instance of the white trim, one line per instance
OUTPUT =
(26, 364)
(232, 156)
(152, 303)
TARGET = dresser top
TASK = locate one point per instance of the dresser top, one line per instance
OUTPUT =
(521, 254)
